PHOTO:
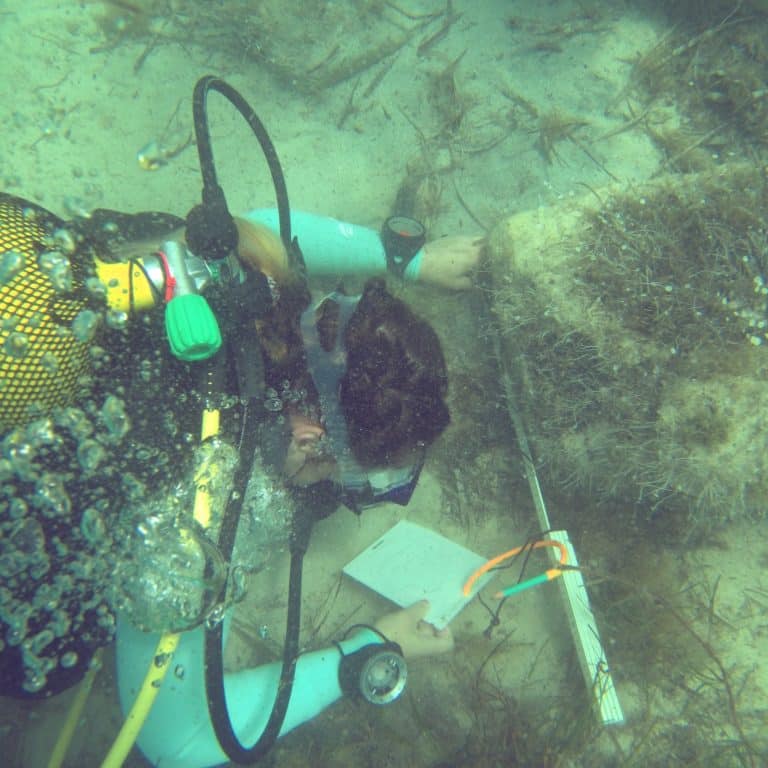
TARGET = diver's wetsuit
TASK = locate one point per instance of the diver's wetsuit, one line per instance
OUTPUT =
(178, 731)
(330, 248)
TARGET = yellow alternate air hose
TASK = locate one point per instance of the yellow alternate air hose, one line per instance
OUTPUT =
(168, 642)
(73, 715)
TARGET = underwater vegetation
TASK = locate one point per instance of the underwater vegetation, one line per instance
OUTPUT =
(640, 329)
(306, 56)
(701, 90)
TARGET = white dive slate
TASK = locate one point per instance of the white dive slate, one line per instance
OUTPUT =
(410, 563)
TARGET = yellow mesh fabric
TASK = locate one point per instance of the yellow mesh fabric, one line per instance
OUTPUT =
(40, 360)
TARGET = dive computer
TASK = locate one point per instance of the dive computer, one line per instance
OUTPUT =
(402, 239)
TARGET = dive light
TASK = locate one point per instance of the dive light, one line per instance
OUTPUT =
(377, 672)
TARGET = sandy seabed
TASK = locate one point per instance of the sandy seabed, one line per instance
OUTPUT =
(80, 99)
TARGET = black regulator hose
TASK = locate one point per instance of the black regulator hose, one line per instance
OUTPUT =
(214, 665)
(211, 231)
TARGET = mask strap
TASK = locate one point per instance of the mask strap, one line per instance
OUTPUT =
(326, 369)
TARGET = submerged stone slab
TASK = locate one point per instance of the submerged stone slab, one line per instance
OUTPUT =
(636, 324)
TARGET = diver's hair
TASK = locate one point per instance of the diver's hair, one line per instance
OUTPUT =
(263, 250)
(260, 249)
(392, 393)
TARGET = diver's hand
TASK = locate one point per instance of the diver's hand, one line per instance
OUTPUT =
(449, 261)
(305, 464)
(415, 636)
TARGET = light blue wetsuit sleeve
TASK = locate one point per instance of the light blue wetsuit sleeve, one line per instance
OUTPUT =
(178, 732)
(333, 248)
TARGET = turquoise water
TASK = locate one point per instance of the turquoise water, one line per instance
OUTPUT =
(469, 113)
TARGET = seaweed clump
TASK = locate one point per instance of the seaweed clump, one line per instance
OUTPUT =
(121, 20)
(713, 66)
(639, 328)
(686, 266)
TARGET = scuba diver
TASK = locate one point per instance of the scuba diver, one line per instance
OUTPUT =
(355, 384)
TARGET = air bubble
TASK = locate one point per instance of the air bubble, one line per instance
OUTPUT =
(65, 240)
(60, 623)
(61, 277)
(49, 363)
(96, 288)
(34, 682)
(41, 432)
(17, 508)
(51, 496)
(116, 319)
(145, 370)
(56, 265)
(28, 539)
(114, 416)
(84, 325)
(90, 454)
(215, 617)
(47, 260)
(273, 404)
(16, 344)
(11, 263)
(74, 420)
(41, 641)
(77, 207)
(14, 636)
(92, 526)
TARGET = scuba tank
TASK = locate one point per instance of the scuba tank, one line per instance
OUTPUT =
(52, 306)
(49, 312)
(54, 285)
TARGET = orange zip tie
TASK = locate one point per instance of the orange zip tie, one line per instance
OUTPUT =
(547, 576)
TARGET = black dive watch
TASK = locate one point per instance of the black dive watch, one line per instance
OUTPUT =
(377, 672)
(402, 239)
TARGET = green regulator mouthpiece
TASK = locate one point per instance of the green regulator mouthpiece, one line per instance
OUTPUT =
(193, 333)
(192, 329)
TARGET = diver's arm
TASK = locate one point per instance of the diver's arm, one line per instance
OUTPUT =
(178, 731)
(332, 247)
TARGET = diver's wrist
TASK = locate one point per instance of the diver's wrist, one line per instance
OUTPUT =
(362, 636)
(411, 273)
